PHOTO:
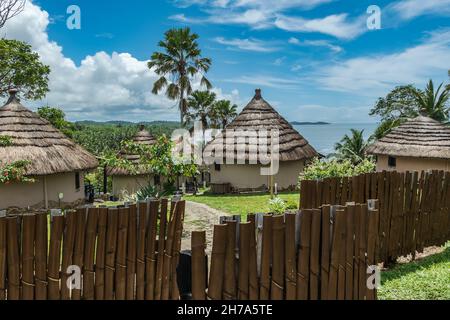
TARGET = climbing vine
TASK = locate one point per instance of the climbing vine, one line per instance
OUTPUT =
(14, 172)
(5, 141)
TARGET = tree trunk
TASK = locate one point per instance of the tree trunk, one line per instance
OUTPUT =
(181, 106)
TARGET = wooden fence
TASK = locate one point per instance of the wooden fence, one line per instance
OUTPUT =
(314, 254)
(128, 253)
(414, 207)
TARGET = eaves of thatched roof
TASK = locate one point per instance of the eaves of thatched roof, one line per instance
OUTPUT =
(142, 137)
(36, 140)
(421, 137)
(258, 116)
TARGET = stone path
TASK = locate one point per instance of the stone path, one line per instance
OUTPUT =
(199, 217)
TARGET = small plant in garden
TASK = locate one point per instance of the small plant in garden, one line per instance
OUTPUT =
(5, 141)
(277, 206)
(14, 172)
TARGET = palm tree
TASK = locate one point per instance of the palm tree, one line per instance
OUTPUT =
(201, 106)
(180, 62)
(225, 112)
(352, 147)
(433, 103)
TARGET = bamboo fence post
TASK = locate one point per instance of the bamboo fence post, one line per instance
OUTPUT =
(110, 257)
(371, 243)
(78, 255)
(13, 253)
(121, 255)
(278, 243)
(101, 254)
(342, 254)
(28, 231)
(229, 286)
(131, 253)
(266, 258)
(161, 247)
(304, 255)
(150, 260)
(349, 252)
(216, 276)
(357, 212)
(314, 277)
(54, 258)
(89, 255)
(67, 254)
(3, 257)
(291, 258)
(198, 245)
(165, 293)
(175, 293)
(253, 261)
(362, 253)
(140, 252)
(41, 256)
(337, 243)
(244, 248)
(325, 254)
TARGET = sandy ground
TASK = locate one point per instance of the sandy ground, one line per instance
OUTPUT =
(199, 217)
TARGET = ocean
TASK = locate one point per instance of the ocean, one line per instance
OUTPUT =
(324, 137)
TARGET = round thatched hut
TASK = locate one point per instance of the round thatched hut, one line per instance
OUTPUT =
(419, 144)
(125, 181)
(239, 136)
(55, 162)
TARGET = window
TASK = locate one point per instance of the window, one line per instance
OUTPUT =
(157, 180)
(217, 167)
(392, 162)
(77, 181)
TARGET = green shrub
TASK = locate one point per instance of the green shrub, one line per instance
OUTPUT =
(319, 170)
(277, 206)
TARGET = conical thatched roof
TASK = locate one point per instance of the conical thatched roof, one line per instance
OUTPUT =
(421, 137)
(142, 137)
(36, 140)
(259, 115)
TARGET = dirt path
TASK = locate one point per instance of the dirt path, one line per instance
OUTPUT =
(199, 217)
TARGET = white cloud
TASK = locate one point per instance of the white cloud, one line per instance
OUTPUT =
(409, 9)
(103, 86)
(337, 25)
(315, 43)
(317, 112)
(250, 44)
(293, 40)
(265, 81)
(376, 74)
(279, 61)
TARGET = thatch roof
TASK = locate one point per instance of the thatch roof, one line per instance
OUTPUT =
(142, 137)
(259, 115)
(421, 137)
(36, 140)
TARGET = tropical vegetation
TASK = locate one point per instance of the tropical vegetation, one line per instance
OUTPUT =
(334, 168)
(352, 147)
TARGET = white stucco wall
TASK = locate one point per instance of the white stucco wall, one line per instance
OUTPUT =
(249, 176)
(412, 164)
(23, 195)
(130, 184)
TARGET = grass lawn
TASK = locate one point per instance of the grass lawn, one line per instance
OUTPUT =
(243, 204)
(425, 279)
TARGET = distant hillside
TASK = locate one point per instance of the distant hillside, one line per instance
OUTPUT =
(128, 123)
(298, 123)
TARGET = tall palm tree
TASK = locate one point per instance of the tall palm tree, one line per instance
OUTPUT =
(433, 103)
(225, 112)
(352, 147)
(201, 106)
(177, 65)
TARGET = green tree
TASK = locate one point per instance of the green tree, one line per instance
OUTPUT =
(21, 68)
(352, 147)
(177, 65)
(201, 107)
(433, 103)
(57, 118)
(225, 112)
(400, 103)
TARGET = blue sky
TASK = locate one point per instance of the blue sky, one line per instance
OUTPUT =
(313, 59)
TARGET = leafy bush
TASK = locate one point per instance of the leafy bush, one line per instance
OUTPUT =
(277, 206)
(14, 172)
(5, 141)
(319, 170)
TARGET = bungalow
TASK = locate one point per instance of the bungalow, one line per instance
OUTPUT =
(56, 163)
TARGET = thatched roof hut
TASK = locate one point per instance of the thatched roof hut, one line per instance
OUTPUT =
(257, 116)
(142, 137)
(421, 137)
(36, 140)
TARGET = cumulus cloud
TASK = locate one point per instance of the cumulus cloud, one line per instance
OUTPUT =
(103, 87)
(250, 44)
(378, 73)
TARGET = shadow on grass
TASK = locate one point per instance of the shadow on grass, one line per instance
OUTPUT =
(400, 270)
